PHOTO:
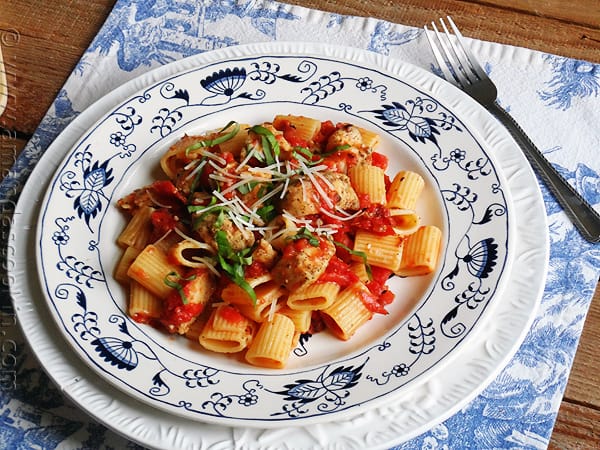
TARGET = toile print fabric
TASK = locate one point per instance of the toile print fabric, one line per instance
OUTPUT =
(555, 99)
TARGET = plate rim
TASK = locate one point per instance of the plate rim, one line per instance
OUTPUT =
(347, 56)
(268, 48)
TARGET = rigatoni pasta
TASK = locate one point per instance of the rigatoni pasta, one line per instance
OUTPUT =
(144, 306)
(348, 313)
(261, 233)
(272, 345)
(421, 252)
(313, 297)
(227, 330)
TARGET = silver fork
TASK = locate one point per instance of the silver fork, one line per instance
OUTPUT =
(459, 65)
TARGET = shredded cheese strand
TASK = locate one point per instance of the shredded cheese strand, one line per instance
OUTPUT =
(266, 198)
(197, 169)
(208, 265)
(201, 245)
(244, 162)
(212, 155)
(335, 216)
(319, 189)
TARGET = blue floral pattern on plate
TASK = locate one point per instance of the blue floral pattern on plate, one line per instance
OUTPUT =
(466, 196)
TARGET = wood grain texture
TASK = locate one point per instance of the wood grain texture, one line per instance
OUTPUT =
(42, 41)
(506, 21)
(578, 427)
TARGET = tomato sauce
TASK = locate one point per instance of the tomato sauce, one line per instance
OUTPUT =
(375, 219)
(162, 221)
(177, 313)
(379, 160)
(167, 194)
(231, 315)
(255, 270)
(338, 272)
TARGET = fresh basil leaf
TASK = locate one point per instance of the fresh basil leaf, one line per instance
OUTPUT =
(267, 213)
(176, 285)
(196, 180)
(358, 253)
(247, 188)
(304, 152)
(220, 218)
(303, 233)
(216, 141)
(269, 143)
(339, 148)
(247, 288)
(233, 263)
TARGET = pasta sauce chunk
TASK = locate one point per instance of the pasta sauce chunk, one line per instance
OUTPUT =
(260, 233)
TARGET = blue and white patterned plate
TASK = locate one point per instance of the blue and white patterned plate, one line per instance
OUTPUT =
(429, 324)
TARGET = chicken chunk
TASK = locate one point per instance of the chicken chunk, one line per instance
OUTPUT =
(238, 239)
(348, 148)
(302, 198)
(345, 197)
(346, 135)
(301, 267)
(264, 253)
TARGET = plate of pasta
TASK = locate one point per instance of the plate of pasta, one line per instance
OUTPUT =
(275, 238)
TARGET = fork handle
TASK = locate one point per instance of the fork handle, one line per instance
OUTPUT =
(581, 213)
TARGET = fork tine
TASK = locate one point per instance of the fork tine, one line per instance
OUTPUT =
(454, 56)
(438, 56)
(474, 65)
(448, 58)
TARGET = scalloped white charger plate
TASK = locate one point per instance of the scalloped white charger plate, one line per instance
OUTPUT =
(502, 347)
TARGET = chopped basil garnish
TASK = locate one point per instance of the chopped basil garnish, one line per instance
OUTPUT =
(172, 280)
(267, 213)
(303, 233)
(269, 143)
(358, 253)
(247, 188)
(339, 148)
(196, 180)
(216, 141)
(211, 208)
(233, 263)
(306, 156)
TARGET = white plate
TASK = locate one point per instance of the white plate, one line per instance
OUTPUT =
(465, 195)
(486, 354)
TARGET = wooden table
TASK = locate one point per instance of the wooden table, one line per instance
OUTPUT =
(42, 41)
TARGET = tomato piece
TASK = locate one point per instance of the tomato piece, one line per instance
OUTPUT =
(162, 221)
(166, 193)
(364, 200)
(290, 134)
(338, 272)
(386, 297)
(255, 269)
(231, 315)
(141, 317)
(327, 128)
(345, 239)
(377, 286)
(371, 302)
(375, 219)
(176, 312)
(379, 160)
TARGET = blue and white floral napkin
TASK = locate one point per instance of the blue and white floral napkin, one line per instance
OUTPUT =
(554, 98)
